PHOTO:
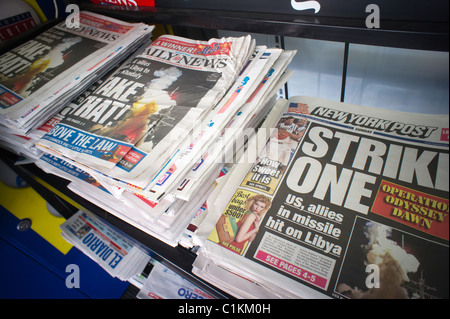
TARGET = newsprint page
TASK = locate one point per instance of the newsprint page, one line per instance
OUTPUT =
(345, 200)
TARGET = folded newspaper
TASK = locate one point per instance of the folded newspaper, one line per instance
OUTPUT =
(234, 119)
(113, 251)
(25, 144)
(164, 135)
(40, 76)
(344, 201)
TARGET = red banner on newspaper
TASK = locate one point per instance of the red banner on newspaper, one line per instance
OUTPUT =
(129, 3)
(418, 210)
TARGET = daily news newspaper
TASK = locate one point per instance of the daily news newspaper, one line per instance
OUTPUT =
(345, 201)
(144, 111)
(38, 75)
(166, 220)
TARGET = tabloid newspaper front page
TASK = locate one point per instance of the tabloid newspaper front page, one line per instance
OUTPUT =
(39, 75)
(149, 104)
(345, 201)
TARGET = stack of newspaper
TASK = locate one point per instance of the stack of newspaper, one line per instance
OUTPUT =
(344, 201)
(163, 283)
(151, 140)
(25, 144)
(41, 76)
(113, 251)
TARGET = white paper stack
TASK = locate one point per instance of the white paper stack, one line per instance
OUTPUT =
(113, 251)
(163, 283)
(167, 220)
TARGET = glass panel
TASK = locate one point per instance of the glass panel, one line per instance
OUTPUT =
(317, 68)
(398, 79)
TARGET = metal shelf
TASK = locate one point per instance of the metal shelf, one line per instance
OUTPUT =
(424, 35)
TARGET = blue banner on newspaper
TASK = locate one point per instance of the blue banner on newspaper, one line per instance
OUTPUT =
(85, 143)
(71, 170)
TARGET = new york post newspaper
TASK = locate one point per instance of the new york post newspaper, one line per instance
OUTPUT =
(345, 201)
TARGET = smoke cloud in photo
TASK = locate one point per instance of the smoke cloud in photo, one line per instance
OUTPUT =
(409, 267)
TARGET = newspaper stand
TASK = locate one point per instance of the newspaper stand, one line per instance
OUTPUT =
(412, 30)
